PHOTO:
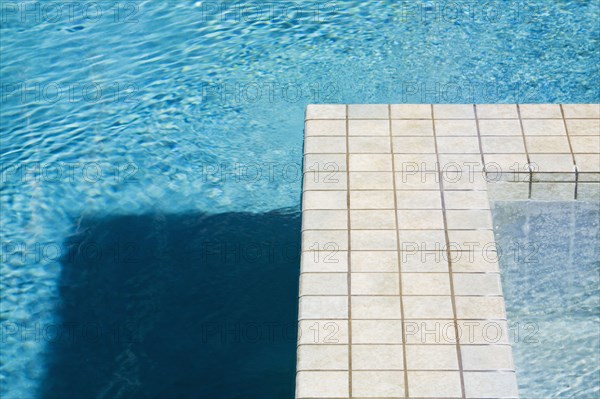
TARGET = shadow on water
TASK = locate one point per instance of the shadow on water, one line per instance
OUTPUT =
(177, 306)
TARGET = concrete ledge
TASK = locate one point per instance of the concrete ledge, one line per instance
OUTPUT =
(400, 292)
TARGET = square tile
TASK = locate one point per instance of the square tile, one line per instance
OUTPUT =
(325, 181)
(497, 111)
(540, 111)
(412, 127)
(479, 307)
(423, 262)
(586, 144)
(466, 200)
(375, 199)
(376, 331)
(500, 127)
(503, 144)
(320, 145)
(422, 240)
(411, 111)
(548, 144)
(323, 332)
(425, 284)
(507, 167)
(368, 111)
(364, 240)
(323, 284)
(322, 384)
(377, 357)
(461, 162)
(373, 219)
(491, 385)
(427, 307)
(581, 110)
(325, 240)
(479, 260)
(583, 127)
(322, 357)
(544, 127)
(587, 163)
(457, 127)
(413, 145)
(487, 357)
(327, 261)
(371, 181)
(553, 191)
(414, 163)
(430, 332)
(326, 111)
(551, 163)
(469, 219)
(467, 240)
(420, 199)
(325, 163)
(499, 176)
(325, 128)
(484, 332)
(324, 200)
(464, 180)
(431, 384)
(323, 307)
(552, 177)
(378, 384)
(588, 191)
(375, 307)
(457, 145)
(417, 180)
(430, 219)
(324, 220)
(477, 284)
(453, 111)
(375, 283)
(374, 261)
(431, 357)
(370, 162)
(369, 145)
(368, 127)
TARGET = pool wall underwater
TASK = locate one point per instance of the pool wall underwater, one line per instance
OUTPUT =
(550, 274)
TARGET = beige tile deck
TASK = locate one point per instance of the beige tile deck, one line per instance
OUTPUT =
(400, 292)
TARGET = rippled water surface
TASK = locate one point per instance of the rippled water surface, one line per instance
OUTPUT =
(145, 108)
(551, 280)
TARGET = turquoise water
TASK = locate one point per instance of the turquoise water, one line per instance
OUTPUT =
(551, 280)
(135, 109)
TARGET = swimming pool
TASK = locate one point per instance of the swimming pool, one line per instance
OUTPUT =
(550, 268)
(138, 109)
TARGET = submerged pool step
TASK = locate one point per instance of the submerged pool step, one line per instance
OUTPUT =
(400, 292)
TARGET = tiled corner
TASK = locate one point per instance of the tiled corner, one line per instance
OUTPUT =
(396, 204)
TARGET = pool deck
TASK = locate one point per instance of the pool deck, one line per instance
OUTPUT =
(400, 292)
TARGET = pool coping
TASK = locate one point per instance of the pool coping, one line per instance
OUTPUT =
(398, 252)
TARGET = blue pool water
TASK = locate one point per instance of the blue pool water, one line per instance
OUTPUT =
(133, 109)
(551, 280)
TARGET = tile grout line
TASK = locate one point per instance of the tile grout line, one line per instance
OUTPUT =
(526, 151)
(450, 275)
(349, 258)
(479, 140)
(562, 111)
(398, 253)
